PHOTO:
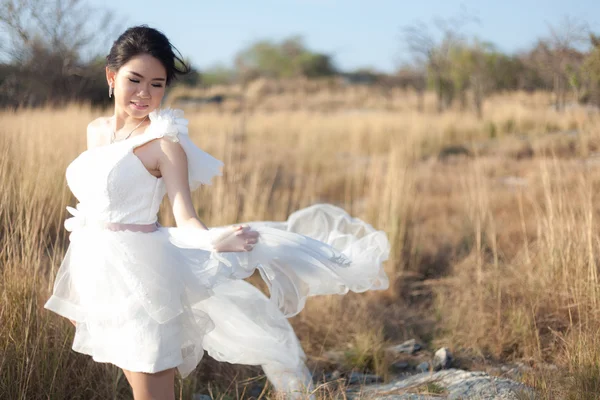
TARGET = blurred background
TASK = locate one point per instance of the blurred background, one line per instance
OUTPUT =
(54, 52)
(468, 131)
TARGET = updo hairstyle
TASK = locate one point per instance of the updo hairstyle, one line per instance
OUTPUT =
(145, 40)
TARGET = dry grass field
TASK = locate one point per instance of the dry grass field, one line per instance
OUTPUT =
(493, 224)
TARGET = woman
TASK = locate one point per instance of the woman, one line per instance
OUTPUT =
(152, 299)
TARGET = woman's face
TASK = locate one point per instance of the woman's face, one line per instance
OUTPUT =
(139, 85)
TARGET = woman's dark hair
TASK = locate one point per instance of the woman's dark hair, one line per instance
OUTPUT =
(145, 40)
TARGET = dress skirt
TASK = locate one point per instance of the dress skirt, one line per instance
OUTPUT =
(152, 301)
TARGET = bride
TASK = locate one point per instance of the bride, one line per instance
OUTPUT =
(151, 299)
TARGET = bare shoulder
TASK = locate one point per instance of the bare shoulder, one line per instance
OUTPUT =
(99, 123)
(172, 159)
(171, 149)
(96, 132)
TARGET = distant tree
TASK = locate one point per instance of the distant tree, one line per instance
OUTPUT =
(66, 27)
(509, 72)
(561, 58)
(288, 58)
(538, 74)
(217, 75)
(314, 65)
(51, 49)
(433, 52)
(472, 68)
(591, 69)
(456, 66)
(263, 58)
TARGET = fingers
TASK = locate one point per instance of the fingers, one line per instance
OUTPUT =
(250, 243)
(239, 238)
(241, 229)
(246, 233)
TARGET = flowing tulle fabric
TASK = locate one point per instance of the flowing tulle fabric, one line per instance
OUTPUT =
(152, 301)
(319, 250)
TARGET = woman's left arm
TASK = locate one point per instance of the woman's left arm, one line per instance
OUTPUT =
(173, 166)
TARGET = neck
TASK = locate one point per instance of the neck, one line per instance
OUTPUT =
(122, 119)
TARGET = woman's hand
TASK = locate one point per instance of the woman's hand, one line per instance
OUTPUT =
(236, 238)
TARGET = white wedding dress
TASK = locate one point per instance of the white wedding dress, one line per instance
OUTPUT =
(157, 299)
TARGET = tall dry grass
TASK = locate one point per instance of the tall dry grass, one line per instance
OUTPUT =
(492, 225)
(274, 166)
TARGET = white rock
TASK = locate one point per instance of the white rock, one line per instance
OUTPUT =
(458, 384)
(442, 359)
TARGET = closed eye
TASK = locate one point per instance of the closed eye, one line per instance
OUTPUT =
(156, 85)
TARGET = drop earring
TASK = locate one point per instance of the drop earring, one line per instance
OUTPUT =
(110, 91)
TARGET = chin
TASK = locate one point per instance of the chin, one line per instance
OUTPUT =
(135, 113)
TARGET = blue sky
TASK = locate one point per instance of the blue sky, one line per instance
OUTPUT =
(357, 33)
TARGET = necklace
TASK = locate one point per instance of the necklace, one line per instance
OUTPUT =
(114, 134)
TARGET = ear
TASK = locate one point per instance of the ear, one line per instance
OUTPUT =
(110, 77)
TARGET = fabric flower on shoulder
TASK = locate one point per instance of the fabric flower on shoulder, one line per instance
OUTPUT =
(168, 123)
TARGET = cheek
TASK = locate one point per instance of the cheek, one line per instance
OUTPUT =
(127, 89)
(157, 93)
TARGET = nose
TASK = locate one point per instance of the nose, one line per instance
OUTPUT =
(144, 93)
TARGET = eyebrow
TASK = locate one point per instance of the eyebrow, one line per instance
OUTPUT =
(141, 76)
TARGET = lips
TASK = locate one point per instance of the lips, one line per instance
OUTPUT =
(139, 106)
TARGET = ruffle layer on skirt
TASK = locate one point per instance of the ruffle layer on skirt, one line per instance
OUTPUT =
(152, 301)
